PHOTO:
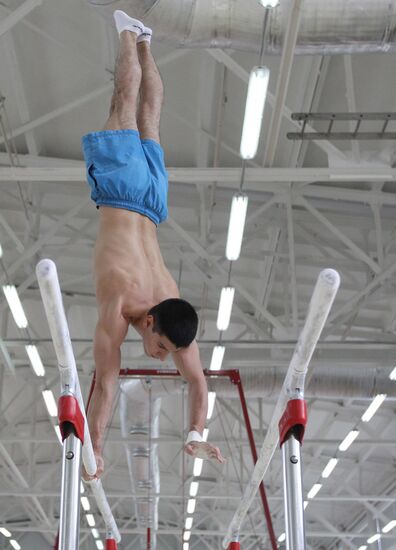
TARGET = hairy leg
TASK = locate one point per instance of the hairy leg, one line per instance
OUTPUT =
(128, 74)
(151, 95)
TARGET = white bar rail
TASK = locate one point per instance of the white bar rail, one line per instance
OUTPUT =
(293, 387)
(47, 277)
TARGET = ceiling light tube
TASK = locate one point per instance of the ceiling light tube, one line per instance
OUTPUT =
(194, 485)
(186, 546)
(197, 470)
(374, 538)
(186, 535)
(332, 463)
(15, 305)
(282, 537)
(392, 375)
(5, 532)
(314, 490)
(255, 101)
(35, 360)
(58, 434)
(90, 520)
(95, 533)
(236, 226)
(363, 547)
(85, 504)
(205, 434)
(269, 3)
(50, 402)
(225, 307)
(15, 544)
(191, 505)
(188, 524)
(305, 503)
(373, 407)
(389, 526)
(217, 358)
(211, 404)
(349, 439)
(1, 251)
(99, 545)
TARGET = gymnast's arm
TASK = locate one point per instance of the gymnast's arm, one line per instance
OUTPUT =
(110, 332)
(188, 363)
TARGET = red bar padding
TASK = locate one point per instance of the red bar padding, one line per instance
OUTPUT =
(234, 546)
(295, 416)
(111, 544)
(70, 415)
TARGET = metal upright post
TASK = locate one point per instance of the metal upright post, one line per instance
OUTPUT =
(69, 529)
(291, 432)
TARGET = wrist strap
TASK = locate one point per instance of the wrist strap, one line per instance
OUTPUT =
(194, 436)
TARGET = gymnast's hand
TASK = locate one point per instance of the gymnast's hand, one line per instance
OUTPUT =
(99, 469)
(202, 449)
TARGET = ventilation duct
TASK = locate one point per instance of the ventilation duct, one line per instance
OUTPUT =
(326, 28)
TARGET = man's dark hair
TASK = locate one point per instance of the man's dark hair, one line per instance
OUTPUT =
(177, 320)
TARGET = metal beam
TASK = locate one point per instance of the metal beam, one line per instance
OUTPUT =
(11, 20)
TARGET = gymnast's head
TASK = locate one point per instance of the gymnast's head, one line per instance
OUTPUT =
(170, 325)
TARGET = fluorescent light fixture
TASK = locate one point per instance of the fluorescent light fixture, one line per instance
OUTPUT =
(374, 538)
(225, 307)
(205, 434)
(186, 546)
(191, 505)
(389, 526)
(5, 532)
(1, 251)
(305, 503)
(95, 533)
(282, 537)
(15, 545)
(349, 439)
(236, 226)
(255, 101)
(85, 504)
(211, 404)
(58, 434)
(50, 402)
(332, 463)
(373, 407)
(90, 520)
(15, 305)
(197, 470)
(363, 547)
(35, 360)
(194, 488)
(269, 4)
(217, 358)
(99, 545)
(82, 488)
(188, 524)
(314, 490)
(187, 535)
(392, 375)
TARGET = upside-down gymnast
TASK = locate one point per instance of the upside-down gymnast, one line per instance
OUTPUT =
(128, 180)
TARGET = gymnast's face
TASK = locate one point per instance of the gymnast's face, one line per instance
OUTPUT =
(155, 345)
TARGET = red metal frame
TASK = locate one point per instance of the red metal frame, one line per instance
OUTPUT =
(235, 378)
(293, 419)
(111, 544)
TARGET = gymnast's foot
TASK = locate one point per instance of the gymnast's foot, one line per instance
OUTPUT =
(202, 449)
(125, 23)
(99, 469)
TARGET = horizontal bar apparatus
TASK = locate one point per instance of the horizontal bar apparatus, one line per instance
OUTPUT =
(293, 388)
(52, 299)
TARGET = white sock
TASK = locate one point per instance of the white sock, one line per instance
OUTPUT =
(146, 35)
(125, 23)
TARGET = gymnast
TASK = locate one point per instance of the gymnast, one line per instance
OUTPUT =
(128, 180)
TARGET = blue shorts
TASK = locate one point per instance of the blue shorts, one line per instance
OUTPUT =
(127, 172)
